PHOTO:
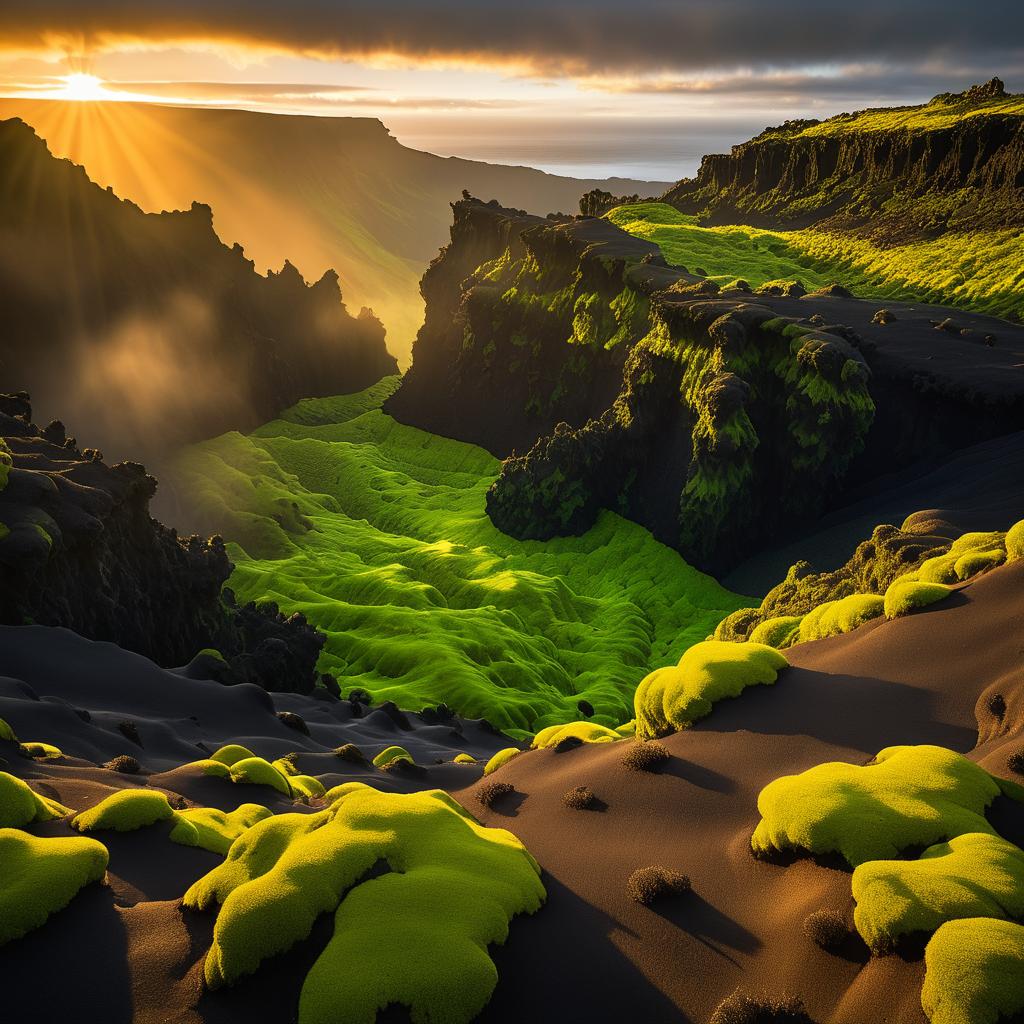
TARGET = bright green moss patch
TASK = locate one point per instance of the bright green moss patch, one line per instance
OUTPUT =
(125, 811)
(586, 732)
(257, 771)
(465, 759)
(672, 698)
(391, 754)
(419, 934)
(21, 805)
(378, 533)
(781, 632)
(904, 597)
(46, 751)
(500, 758)
(231, 753)
(6, 461)
(215, 830)
(907, 797)
(977, 270)
(973, 875)
(42, 876)
(973, 562)
(843, 616)
(1015, 542)
(974, 972)
(7, 733)
(307, 785)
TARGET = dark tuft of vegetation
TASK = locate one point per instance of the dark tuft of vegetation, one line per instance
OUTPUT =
(293, 721)
(741, 1008)
(579, 799)
(646, 756)
(1015, 762)
(123, 763)
(351, 753)
(360, 696)
(826, 928)
(585, 708)
(646, 885)
(883, 317)
(490, 792)
(996, 705)
(130, 731)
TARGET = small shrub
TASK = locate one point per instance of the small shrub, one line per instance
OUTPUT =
(826, 928)
(490, 792)
(123, 763)
(130, 731)
(351, 753)
(646, 756)
(646, 885)
(360, 696)
(996, 705)
(293, 721)
(741, 1008)
(578, 799)
(1015, 762)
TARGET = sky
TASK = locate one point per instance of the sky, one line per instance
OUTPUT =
(638, 88)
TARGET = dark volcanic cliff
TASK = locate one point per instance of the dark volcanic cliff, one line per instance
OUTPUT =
(144, 330)
(718, 420)
(956, 163)
(78, 548)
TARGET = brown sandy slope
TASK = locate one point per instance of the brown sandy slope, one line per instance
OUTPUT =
(126, 952)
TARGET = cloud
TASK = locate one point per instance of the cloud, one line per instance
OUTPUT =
(576, 38)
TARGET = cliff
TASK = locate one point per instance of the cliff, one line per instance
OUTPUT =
(896, 174)
(79, 549)
(144, 330)
(717, 419)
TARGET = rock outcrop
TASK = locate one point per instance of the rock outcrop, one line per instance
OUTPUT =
(79, 549)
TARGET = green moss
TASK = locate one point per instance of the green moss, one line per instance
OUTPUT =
(7, 733)
(976, 270)
(672, 698)
(973, 562)
(45, 751)
(42, 876)
(208, 766)
(6, 461)
(421, 598)
(391, 754)
(21, 805)
(419, 934)
(974, 972)
(125, 811)
(781, 632)
(903, 597)
(1015, 542)
(502, 757)
(973, 875)
(586, 732)
(843, 616)
(231, 753)
(256, 771)
(286, 766)
(213, 829)
(465, 759)
(912, 796)
(308, 786)
(211, 652)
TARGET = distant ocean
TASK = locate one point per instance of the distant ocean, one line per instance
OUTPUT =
(662, 151)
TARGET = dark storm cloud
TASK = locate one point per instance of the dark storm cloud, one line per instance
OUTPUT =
(575, 37)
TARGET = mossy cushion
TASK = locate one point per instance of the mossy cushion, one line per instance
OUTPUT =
(843, 616)
(231, 753)
(908, 796)
(973, 875)
(389, 755)
(125, 811)
(974, 972)
(213, 829)
(672, 698)
(419, 934)
(586, 732)
(41, 876)
(904, 597)
(503, 756)
(257, 771)
(21, 805)
(780, 632)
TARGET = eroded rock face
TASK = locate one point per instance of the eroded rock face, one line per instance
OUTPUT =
(78, 548)
(719, 420)
(894, 183)
(145, 330)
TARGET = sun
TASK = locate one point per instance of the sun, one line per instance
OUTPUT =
(80, 86)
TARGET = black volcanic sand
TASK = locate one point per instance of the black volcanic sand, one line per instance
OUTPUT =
(127, 951)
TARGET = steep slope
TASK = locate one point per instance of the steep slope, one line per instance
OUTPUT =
(894, 174)
(718, 419)
(144, 330)
(325, 192)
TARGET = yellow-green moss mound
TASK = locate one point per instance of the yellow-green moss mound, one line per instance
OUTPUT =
(231, 753)
(389, 755)
(837, 617)
(973, 875)
(419, 934)
(974, 972)
(21, 805)
(39, 876)
(502, 757)
(780, 632)
(43, 751)
(909, 796)
(257, 771)
(1015, 542)
(585, 732)
(904, 597)
(215, 830)
(672, 698)
(125, 811)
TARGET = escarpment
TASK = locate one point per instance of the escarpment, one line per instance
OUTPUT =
(145, 330)
(895, 174)
(79, 549)
(718, 419)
